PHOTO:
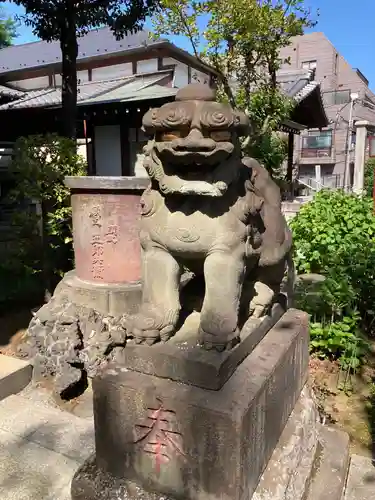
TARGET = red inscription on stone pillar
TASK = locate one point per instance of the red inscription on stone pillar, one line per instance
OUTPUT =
(106, 241)
(159, 437)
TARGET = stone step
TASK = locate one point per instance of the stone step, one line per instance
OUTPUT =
(40, 449)
(330, 470)
(15, 374)
(361, 479)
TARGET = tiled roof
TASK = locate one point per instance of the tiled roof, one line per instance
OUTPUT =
(293, 81)
(120, 89)
(297, 84)
(306, 90)
(11, 93)
(95, 43)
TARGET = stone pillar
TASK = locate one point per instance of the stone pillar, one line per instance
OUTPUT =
(105, 228)
(360, 150)
(318, 177)
(87, 316)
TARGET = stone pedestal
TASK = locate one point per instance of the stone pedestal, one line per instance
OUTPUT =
(105, 214)
(181, 441)
(85, 321)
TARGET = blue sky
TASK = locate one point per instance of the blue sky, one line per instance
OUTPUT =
(349, 25)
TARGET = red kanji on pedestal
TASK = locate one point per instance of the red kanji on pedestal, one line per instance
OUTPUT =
(159, 437)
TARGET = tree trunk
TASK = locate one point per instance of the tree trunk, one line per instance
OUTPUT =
(69, 49)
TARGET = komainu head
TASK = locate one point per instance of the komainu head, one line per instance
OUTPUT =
(194, 143)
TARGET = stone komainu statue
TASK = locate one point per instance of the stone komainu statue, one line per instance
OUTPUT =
(212, 212)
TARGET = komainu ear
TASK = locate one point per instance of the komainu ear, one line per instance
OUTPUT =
(147, 122)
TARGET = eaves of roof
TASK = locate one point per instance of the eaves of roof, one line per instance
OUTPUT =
(147, 86)
(13, 64)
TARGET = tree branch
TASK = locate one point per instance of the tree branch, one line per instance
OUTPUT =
(189, 33)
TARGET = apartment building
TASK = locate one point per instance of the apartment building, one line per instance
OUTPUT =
(321, 155)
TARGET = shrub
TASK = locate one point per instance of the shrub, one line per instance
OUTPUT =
(334, 235)
(369, 177)
(44, 249)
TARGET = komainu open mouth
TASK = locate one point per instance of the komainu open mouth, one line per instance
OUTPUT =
(199, 171)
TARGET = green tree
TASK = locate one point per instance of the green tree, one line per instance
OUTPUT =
(38, 168)
(8, 30)
(369, 177)
(66, 21)
(241, 40)
(334, 235)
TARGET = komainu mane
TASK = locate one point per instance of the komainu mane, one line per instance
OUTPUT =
(212, 212)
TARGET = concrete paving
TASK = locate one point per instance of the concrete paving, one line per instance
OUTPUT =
(361, 479)
(40, 449)
(42, 446)
(331, 467)
(15, 374)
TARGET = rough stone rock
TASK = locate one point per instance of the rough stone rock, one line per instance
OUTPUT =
(70, 338)
(70, 342)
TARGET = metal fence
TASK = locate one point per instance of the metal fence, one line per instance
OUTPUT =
(310, 185)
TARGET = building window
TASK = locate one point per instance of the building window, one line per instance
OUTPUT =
(310, 65)
(336, 97)
(317, 144)
(336, 63)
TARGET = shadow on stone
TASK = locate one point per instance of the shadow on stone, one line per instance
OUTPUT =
(40, 448)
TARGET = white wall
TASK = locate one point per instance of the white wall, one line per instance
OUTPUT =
(115, 71)
(181, 72)
(147, 66)
(199, 77)
(108, 150)
(82, 77)
(32, 83)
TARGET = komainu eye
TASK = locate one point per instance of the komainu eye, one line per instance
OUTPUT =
(170, 135)
(221, 135)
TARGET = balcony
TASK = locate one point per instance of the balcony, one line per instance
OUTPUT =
(316, 147)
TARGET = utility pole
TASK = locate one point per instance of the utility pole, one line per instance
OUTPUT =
(353, 98)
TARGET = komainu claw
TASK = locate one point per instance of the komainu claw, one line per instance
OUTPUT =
(220, 347)
(219, 343)
(166, 333)
(151, 341)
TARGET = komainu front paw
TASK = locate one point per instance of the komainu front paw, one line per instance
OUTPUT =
(262, 300)
(150, 326)
(220, 342)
